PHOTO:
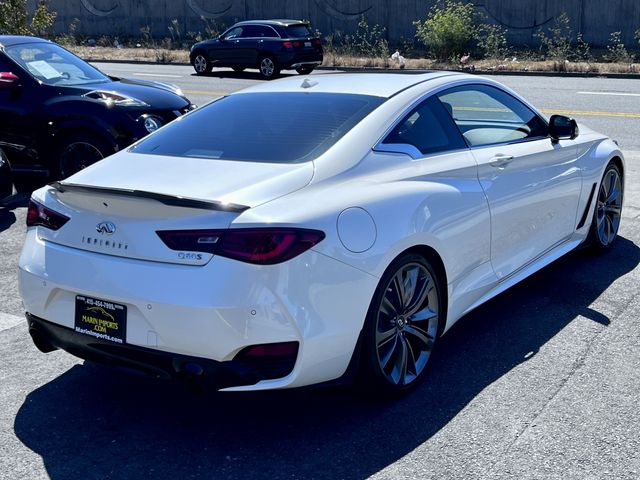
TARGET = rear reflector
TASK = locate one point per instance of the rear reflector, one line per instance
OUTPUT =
(39, 215)
(261, 246)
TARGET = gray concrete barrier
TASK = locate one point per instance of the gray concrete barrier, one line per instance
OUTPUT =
(596, 19)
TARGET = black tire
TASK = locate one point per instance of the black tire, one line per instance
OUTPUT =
(405, 318)
(268, 67)
(304, 70)
(201, 64)
(238, 69)
(608, 210)
(78, 151)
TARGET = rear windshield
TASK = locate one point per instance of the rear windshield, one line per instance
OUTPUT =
(296, 31)
(288, 127)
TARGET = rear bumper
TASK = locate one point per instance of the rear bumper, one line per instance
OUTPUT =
(48, 336)
(210, 313)
(306, 64)
(292, 61)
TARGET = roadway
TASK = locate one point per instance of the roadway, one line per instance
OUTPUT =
(541, 382)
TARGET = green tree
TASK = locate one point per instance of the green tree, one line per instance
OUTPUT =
(448, 30)
(13, 18)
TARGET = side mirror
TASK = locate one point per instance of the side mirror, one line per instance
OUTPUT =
(562, 128)
(8, 80)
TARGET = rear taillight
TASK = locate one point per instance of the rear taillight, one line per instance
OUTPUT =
(262, 246)
(316, 41)
(287, 44)
(39, 215)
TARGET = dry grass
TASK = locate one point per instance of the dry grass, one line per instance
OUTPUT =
(157, 55)
(160, 55)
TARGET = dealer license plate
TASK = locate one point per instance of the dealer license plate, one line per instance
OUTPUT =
(101, 319)
(307, 44)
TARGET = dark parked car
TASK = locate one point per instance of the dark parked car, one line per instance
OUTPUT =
(268, 45)
(59, 114)
(6, 185)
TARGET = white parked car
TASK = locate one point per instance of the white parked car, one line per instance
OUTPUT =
(305, 230)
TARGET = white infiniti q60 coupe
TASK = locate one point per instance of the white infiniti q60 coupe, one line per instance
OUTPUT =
(308, 230)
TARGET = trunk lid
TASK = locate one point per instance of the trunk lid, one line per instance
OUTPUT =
(116, 206)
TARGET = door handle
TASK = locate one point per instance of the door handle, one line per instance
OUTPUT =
(501, 161)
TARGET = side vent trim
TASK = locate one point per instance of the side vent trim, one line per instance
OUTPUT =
(583, 220)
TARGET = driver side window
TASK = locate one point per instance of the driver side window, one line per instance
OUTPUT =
(486, 116)
(235, 33)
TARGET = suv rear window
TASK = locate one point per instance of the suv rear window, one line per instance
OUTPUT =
(283, 127)
(297, 31)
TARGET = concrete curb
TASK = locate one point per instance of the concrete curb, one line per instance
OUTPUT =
(419, 71)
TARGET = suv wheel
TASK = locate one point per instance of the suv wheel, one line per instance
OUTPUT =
(304, 70)
(201, 65)
(269, 68)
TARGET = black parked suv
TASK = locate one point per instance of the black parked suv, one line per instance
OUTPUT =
(59, 114)
(268, 45)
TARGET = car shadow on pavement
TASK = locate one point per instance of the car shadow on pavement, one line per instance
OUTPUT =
(93, 422)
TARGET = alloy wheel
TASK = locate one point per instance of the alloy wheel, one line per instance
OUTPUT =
(267, 67)
(407, 324)
(78, 155)
(200, 64)
(609, 209)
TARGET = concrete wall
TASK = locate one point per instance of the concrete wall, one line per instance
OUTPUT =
(596, 19)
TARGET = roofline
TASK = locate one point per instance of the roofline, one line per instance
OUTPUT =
(279, 22)
(20, 40)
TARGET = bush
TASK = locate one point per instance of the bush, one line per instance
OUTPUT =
(492, 40)
(616, 51)
(582, 51)
(370, 41)
(13, 18)
(556, 45)
(448, 30)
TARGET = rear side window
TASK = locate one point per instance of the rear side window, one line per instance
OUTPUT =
(265, 31)
(287, 127)
(429, 128)
(296, 31)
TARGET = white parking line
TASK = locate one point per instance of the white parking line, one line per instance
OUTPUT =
(8, 321)
(615, 94)
(157, 75)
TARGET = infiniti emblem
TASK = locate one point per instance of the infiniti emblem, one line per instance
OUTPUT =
(106, 228)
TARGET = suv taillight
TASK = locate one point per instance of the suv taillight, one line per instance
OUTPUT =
(262, 246)
(39, 215)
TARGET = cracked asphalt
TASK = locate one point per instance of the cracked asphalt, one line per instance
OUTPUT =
(542, 382)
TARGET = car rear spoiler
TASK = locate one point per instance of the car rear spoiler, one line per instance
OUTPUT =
(172, 200)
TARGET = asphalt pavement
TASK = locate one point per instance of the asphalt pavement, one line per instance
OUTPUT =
(542, 382)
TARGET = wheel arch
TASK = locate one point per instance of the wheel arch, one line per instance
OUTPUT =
(617, 161)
